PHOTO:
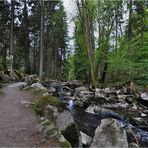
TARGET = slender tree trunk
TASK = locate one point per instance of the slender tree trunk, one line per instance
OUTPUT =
(41, 40)
(86, 22)
(104, 73)
(4, 52)
(11, 37)
(26, 41)
(130, 21)
(116, 39)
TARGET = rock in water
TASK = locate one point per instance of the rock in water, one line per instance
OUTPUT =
(109, 134)
(144, 96)
(69, 129)
(86, 140)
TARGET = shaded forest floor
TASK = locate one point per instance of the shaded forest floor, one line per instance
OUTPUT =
(17, 123)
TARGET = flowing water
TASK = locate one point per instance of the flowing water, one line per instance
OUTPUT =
(88, 122)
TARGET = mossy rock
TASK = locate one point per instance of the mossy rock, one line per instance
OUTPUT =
(51, 132)
(42, 102)
(65, 144)
(49, 114)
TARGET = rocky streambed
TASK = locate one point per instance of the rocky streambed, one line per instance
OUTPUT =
(119, 114)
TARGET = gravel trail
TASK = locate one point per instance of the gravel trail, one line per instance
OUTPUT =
(17, 123)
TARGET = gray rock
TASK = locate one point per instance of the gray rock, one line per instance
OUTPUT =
(144, 96)
(84, 95)
(85, 139)
(118, 92)
(64, 119)
(82, 88)
(65, 123)
(109, 134)
(133, 145)
(99, 95)
(51, 90)
(107, 91)
(38, 86)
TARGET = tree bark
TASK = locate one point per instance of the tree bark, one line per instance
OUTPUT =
(41, 40)
(11, 36)
(87, 32)
(130, 21)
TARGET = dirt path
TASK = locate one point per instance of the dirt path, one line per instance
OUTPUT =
(17, 123)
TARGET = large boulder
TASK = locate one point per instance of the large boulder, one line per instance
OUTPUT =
(65, 123)
(51, 131)
(109, 134)
(54, 110)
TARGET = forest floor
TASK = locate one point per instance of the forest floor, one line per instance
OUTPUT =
(18, 124)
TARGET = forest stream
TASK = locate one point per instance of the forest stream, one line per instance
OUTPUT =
(88, 122)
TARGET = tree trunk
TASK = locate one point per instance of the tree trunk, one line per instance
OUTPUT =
(11, 36)
(104, 73)
(86, 22)
(41, 40)
(130, 21)
(26, 41)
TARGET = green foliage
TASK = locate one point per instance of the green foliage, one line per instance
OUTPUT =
(130, 62)
(79, 60)
(133, 65)
(71, 68)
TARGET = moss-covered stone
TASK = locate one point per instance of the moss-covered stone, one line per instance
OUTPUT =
(42, 102)
(65, 144)
(49, 113)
